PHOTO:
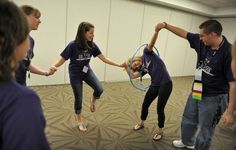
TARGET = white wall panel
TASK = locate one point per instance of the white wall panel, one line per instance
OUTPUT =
(176, 49)
(49, 38)
(124, 35)
(229, 28)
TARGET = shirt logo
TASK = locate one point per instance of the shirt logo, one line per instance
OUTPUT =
(205, 68)
(144, 67)
(83, 56)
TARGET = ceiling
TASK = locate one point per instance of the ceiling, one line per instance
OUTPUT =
(209, 8)
(217, 3)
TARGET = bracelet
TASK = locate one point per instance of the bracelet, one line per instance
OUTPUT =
(46, 74)
(165, 24)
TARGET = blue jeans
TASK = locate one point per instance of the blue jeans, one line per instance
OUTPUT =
(77, 86)
(202, 115)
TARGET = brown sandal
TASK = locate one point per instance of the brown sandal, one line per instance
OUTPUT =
(138, 127)
(158, 136)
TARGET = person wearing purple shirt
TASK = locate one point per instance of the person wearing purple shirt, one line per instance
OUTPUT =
(80, 51)
(213, 78)
(33, 17)
(229, 116)
(161, 84)
(22, 122)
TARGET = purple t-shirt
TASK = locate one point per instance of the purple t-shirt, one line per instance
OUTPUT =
(22, 122)
(155, 67)
(24, 64)
(216, 65)
(79, 59)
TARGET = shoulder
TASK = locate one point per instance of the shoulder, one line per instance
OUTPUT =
(227, 44)
(14, 91)
(226, 47)
(146, 51)
(71, 45)
(31, 39)
(95, 47)
(193, 36)
(18, 98)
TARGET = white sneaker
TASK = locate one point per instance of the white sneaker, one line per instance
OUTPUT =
(180, 144)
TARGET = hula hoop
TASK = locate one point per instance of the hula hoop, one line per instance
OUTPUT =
(141, 87)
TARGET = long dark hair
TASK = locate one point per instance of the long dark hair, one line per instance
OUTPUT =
(80, 39)
(13, 31)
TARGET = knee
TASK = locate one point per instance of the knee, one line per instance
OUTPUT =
(98, 93)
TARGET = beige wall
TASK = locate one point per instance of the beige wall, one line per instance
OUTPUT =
(120, 27)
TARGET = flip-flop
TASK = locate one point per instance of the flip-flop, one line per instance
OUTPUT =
(158, 136)
(92, 105)
(138, 127)
(82, 127)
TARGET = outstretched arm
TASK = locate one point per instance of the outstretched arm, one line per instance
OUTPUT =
(155, 35)
(36, 70)
(176, 30)
(109, 61)
(58, 63)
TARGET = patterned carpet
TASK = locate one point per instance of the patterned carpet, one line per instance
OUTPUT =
(118, 110)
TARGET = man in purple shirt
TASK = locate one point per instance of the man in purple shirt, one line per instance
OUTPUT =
(213, 78)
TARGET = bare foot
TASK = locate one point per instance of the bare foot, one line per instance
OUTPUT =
(82, 127)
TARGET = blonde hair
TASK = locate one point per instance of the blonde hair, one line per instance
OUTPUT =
(136, 58)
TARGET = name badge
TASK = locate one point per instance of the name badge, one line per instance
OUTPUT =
(197, 90)
(198, 74)
(85, 69)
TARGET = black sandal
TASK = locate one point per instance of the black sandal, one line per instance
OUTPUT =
(158, 134)
(138, 127)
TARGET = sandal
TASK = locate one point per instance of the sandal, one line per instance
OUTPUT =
(92, 105)
(82, 127)
(158, 136)
(138, 127)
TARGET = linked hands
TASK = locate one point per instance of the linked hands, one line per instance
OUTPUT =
(159, 26)
(124, 64)
(51, 70)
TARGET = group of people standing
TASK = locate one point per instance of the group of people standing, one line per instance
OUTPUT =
(21, 114)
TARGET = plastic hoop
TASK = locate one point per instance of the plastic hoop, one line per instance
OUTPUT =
(141, 86)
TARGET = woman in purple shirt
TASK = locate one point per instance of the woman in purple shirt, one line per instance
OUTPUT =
(33, 18)
(80, 51)
(161, 84)
(22, 122)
